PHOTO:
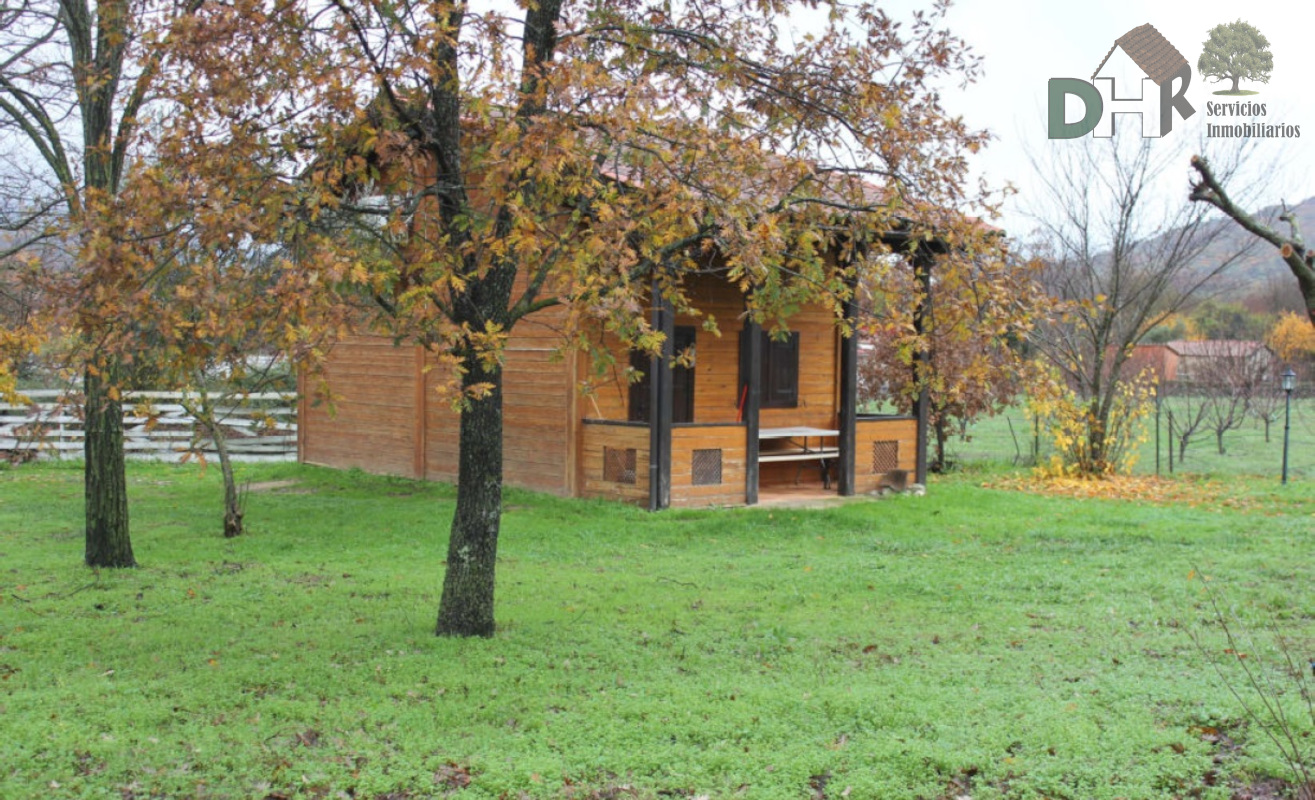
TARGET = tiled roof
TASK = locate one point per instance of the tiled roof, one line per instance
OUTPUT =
(1211, 348)
(1152, 52)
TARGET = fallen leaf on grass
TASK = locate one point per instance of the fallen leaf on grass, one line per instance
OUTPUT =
(452, 776)
(817, 783)
(307, 738)
(1145, 488)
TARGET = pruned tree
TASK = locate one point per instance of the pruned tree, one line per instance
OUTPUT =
(593, 154)
(1209, 189)
(1119, 262)
(1188, 409)
(1231, 374)
(1267, 403)
(1236, 51)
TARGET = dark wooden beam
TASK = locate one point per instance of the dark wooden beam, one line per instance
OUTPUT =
(849, 395)
(752, 403)
(660, 405)
(922, 264)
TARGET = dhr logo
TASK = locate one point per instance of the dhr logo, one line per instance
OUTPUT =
(1162, 64)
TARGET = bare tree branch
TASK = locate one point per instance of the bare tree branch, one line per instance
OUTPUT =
(1210, 189)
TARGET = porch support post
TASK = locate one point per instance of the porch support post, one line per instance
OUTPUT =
(922, 263)
(848, 394)
(753, 347)
(660, 404)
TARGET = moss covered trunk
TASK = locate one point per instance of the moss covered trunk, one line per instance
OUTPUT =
(108, 544)
(466, 608)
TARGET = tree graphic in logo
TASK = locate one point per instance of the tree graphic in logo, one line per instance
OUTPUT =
(1236, 51)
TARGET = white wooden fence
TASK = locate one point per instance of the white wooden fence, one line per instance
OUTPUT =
(156, 425)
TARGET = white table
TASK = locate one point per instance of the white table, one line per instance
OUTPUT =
(799, 446)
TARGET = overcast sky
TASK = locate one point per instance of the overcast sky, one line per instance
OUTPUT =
(1024, 43)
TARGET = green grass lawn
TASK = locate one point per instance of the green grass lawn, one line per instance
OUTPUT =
(969, 642)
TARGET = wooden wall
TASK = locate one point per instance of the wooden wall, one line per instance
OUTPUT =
(819, 371)
(717, 365)
(392, 418)
(371, 422)
(594, 439)
(608, 393)
(716, 371)
(902, 430)
(729, 440)
(538, 412)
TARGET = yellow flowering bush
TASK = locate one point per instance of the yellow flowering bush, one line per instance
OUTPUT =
(1084, 447)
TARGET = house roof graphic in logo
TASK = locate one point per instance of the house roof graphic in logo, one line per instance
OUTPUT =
(1156, 58)
(1159, 59)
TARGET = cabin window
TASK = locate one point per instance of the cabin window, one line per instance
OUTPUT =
(682, 380)
(778, 374)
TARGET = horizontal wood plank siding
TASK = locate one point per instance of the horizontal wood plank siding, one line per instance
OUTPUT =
(728, 439)
(901, 430)
(384, 424)
(535, 416)
(717, 365)
(594, 438)
(373, 411)
(717, 369)
(818, 374)
(442, 426)
(392, 417)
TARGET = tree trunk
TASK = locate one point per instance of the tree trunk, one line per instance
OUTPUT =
(1266, 421)
(1097, 416)
(106, 485)
(466, 608)
(232, 503)
(204, 414)
(938, 427)
(1219, 441)
(1235, 79)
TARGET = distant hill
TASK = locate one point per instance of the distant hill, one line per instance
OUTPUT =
(1259, 279)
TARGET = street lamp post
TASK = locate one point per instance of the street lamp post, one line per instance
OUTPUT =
(1289, 383)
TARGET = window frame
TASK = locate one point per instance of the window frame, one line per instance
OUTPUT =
(683, 337)
(778, 375)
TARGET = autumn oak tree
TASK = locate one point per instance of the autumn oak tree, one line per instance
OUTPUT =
(594, 155)
(984, 308)
(181, 251)
(238, 267)
(1293, 340)
(74, 77)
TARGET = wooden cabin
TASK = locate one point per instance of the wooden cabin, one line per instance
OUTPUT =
(750, 417)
